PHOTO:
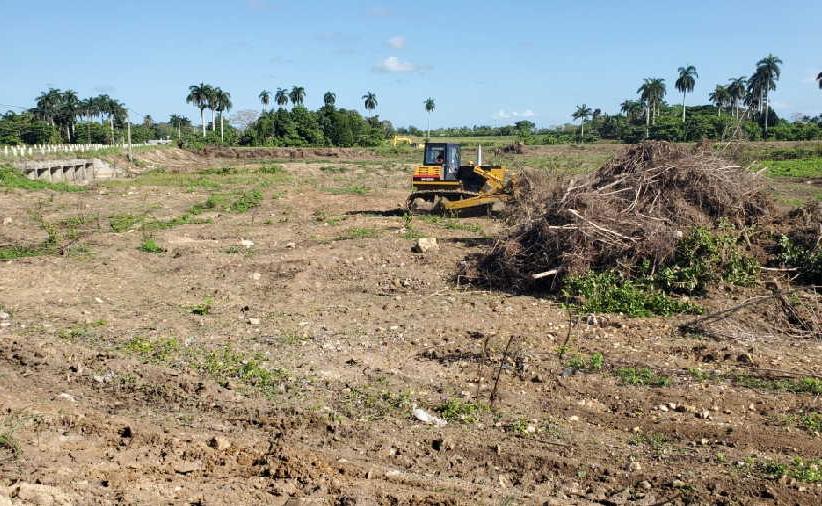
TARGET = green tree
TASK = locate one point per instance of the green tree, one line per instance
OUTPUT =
(329, 98)
(297, 95)
(265, 99)
(198, 97)
(736, 91)
(685, 83)
(652, 92)
(429, 108)
(582, 113)
(370, 101)
(222, 102)
(281, 97)
(720, 97)
(178, 122)
(767, 72)
(632, 109)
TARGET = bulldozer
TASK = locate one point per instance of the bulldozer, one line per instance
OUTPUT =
(443, 185)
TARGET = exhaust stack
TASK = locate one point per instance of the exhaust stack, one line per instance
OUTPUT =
(479, 155)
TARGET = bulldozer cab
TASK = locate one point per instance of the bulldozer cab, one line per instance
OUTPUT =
(443, 154)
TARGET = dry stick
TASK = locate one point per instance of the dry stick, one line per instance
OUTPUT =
(482, 363)
(718, 315)
(499, 370)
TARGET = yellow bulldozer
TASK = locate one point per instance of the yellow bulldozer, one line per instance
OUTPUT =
(442, 184)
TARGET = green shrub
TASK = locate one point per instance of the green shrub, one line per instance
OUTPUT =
(608, 292)
(150, 246)
(642, 377)
(270, 169)
(808, 262)
(457, 410)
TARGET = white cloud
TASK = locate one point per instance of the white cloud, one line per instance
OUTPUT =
(397, 42)
(503, 114)
(394, 64)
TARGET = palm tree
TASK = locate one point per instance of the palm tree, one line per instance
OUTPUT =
(198, 97)
(329, 98)
(178, 122)
(631, 108)
(736, 91)
(429, 108)
(370, 100)
(768, 71)
(67, 110)
(685, 83)
(297, 95)
(281, 97)
(211, 101)
(223, 104)
(657, 94)
(582, 113)
(265, 98)
(720, 97)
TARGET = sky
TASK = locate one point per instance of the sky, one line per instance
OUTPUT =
(483, 62)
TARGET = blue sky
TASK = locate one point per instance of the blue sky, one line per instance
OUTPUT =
(484, 62)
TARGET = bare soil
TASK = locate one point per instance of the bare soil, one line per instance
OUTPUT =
(285, 371)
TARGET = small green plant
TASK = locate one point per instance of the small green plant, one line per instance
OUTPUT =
(658, 443)
(451, 223)
(807, 471)
(220, 171)
(808, 261)
(322, 216)
(246, 201)
(226, 364)
(700, 375)
(643, 376)
(202, 308)
(367, 404)
(458, 410)
(149, 245)
(812, 422)
(124, 222)
(608, 292)
(154, 350)
(593, 363)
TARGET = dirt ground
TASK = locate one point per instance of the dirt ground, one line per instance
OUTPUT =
(274, 354)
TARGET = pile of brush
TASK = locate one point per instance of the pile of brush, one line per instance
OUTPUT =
(630, 212)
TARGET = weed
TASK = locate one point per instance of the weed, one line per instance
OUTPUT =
(642, 377)
(365, 404)
(220, 171)
(589, 364)
(358, 233)
(608, 292)
(123, 222)
(457, 410)
(808, 261)
(154, 350)
(228, 364)
(202, 308)
(799, 168)
(658, 443)
(270, 169)
(82, 331)
(812, 422)
(807, 471)
(700, 375)
(149, 245)
(322, 216)
(451, 223)
(806, 385)
(330, 169)
(246, 201)
(349, 190)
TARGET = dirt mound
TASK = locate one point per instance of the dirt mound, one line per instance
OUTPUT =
(290, 153)
(631, 211)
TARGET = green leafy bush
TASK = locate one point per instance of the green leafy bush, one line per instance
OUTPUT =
(608, 292)
(808, 262)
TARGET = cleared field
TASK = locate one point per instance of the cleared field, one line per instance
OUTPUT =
(219, 330)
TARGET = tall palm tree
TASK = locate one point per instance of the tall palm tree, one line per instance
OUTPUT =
(582, 113)
(265, 98)
(736, 91)
(329, 98)
(768, 70)
(198, 97)
(67, 110)
(212, 95)
(223, 105)
(281, 97)
(429, 108)
(297, 95)
(720, 97)
(657, 94)
(370, 100)
(685, 83)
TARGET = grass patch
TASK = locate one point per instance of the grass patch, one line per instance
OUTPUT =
(799, 168)
(806, 471)
(149, 245)
(13, 179)
(366, 404)
(608, 292)
(643, 376)
(358, 233)
(451, 223)
(806, 385)
(202, 308)
(330, 169)
(458, 410)
(322, 216)
(657, 443)
(271, 169)
(153, 350)
(227, 364)
(123, 222)
(82, 331)
(348, 190)
(592, 363)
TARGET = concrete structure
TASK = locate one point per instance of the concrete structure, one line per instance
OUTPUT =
(77, 171)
